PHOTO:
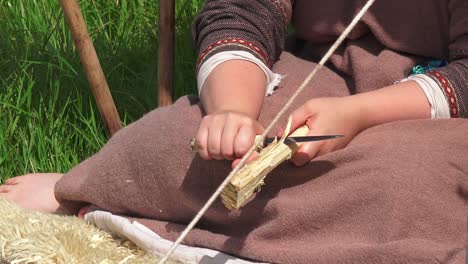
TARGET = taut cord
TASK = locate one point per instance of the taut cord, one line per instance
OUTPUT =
(267, 130)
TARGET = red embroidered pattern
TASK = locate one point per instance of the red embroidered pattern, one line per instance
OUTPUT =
(447, 87)
(236, 41)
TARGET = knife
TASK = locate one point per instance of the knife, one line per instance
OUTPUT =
(292, 140)
(287, 141)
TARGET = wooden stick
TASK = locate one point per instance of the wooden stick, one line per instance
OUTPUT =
(91, 65)
(251, 177)
(166, 52)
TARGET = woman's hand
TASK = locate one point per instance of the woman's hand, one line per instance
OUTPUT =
(232, 97)
(226, 135)
(325, 116)
(352, 114)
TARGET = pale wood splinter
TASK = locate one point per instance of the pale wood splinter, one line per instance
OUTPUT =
(250, 178)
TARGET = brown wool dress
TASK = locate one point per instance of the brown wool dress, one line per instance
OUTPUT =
(398, 193)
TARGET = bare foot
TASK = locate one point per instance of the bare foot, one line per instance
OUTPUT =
(32, 191)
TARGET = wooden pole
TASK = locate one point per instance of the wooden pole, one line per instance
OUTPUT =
(91, 65)
(166, 52)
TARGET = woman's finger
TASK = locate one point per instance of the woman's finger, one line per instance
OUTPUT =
(244, 140)
(201, 140)
(249, 159)
(258, 128)
(215, 130)
(306, 153)
(299, 117)
(230, 130)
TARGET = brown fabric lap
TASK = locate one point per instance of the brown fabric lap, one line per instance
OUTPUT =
(154, 152)
(397, 193)
(377, 201)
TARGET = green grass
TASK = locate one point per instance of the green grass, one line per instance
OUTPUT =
(48, 119)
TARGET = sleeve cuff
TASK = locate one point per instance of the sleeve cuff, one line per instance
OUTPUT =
(273, 79)
(439, 105)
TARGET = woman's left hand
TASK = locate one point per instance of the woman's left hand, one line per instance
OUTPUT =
(326, 116)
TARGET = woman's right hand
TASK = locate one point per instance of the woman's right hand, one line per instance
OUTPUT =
(226, 135)
(232, 96)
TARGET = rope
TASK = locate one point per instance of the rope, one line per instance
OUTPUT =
(267, 130)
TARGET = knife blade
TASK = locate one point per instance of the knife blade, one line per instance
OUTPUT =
(287, 141)
(292, 140)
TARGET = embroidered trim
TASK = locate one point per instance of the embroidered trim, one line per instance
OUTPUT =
(233, 41)
(448, 90)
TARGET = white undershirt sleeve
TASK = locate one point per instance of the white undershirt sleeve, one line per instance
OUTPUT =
(439, 105)
(207, 67)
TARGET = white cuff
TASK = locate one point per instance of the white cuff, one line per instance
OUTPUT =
(439, 105)
(207, 67)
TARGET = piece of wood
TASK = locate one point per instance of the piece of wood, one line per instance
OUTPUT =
(166, 52)
(91, 65)
(250, 178)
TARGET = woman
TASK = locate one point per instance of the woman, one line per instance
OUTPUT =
(389, 192)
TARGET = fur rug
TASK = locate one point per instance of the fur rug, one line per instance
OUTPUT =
(31, 237)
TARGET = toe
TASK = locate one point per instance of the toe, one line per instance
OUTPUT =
(84, 210)
(11, 181)
(7, 185)
(5, 188)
